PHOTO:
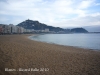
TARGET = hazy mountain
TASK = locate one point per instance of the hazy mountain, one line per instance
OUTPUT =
(79, 30)
(36, 25)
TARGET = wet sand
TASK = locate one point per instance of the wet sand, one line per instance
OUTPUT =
(17, 52)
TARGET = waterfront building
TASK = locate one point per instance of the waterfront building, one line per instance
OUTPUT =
(1, 30)
(46, 30)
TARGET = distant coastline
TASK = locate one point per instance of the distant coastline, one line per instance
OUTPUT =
(30, 26)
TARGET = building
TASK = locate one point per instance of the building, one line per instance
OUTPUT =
(6, 29)
(1, 30)
(12, 29)
(20, 30)
(46, 30)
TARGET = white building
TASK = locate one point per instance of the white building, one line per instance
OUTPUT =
(15, 29)
(20, 29)
(12, 28)
(6, 29)
(46, 30)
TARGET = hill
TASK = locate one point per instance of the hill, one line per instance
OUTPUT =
(36, 25)
(79, 30)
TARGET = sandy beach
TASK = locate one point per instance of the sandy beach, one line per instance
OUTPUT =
(21, 56)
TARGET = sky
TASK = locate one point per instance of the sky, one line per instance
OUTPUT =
(57, 13)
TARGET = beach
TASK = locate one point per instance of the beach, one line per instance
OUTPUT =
(21, 56)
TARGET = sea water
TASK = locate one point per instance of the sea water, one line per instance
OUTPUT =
(88, 41)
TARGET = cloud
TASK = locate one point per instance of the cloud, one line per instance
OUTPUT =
(51, 12)
(85, 4)
(3, 19)
(97, 4)
(88, 20)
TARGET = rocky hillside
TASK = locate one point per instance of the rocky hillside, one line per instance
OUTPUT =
(79, 30)
(36, 25)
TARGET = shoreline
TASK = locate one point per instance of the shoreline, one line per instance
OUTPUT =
(18, 51)
(30, 37)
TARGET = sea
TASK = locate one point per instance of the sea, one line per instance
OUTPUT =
(81, 40)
